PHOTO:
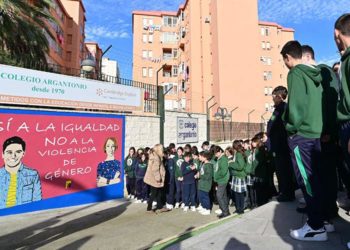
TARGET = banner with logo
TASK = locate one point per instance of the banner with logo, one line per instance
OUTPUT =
(56, 159)
(32, 87)
(187, 130)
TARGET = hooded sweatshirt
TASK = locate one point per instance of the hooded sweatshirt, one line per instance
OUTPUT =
(303, 115)
(343, 110)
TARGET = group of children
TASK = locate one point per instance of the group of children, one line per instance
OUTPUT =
(195, 180)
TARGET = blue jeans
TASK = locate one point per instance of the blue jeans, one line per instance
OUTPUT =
(204, 199)
(189, 191)
(170, 192)
(179, 191)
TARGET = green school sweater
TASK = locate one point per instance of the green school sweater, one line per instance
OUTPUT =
(260, 169)
(178, 161)
(343, 109)
(237, 166)
(129, 169)
(249, 165)
(303, 115)
(206, 177)
(221, 173)
(330, 86)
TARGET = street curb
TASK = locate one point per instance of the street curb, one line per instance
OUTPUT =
(177, 238)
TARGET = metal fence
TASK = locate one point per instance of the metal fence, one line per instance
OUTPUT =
(149, 90)
(229, 131)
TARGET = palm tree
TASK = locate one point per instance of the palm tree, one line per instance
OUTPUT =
(23, 31)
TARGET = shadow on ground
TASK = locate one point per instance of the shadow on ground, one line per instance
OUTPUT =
(48, 231)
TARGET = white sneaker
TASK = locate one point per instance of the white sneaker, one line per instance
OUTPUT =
(218, 211)
(302, 200)
(132, 196)
(138, 201)
(185, 209)
(145, 202)
(205, 212)
(182, 205)
(306, 233)
(199, 208)
(168, 206)
(177, 205)
(349, 245)
(329, 226)
(193, 208)
(129, 196)
(154, 203)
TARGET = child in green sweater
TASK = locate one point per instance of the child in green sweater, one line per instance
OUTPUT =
(205, 183)
(178, 176)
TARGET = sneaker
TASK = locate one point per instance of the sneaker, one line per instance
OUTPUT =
(218, 211)
(144, 201)
(154, 203)
(302, 200)
(329, 226)
(185, 208)
(129, 196)
(132, 197)
(138, 201)
(221, 216)
(306, 233)
(193, 208)
(177, 205)
(170, 207)
(199, 208)
(205, 212)
(182, 205)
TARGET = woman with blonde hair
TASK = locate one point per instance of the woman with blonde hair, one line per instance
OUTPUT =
(155, 176)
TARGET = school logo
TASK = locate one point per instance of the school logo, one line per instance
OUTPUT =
(188, 168)
(216, 167)
(202, 171)
(129, 162)
(250, 159)
(179, 162)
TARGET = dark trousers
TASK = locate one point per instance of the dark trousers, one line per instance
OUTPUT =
(261, 192)
(156, 195)
(178, 191)
(344, 140)
(221, 195)
(204, 199)
(329, 180)
(252, 196)
(285, 174)
(141, 189)
(271, 169)
(306, 157)
(170, 192)
(239, 202)
(189, 191)
(130, 185)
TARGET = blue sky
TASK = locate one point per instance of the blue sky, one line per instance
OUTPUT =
(109, 22)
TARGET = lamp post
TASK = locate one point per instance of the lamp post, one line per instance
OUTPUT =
(231, 121)
(208, 116)
(103, 53)
(222, 114)
(263, 122)
(160, 106)
(87, 66)
(248, 125)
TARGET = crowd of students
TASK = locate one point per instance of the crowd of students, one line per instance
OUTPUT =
(193, 180)
(307, 144)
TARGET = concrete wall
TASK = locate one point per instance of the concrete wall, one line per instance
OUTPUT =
(143, 131)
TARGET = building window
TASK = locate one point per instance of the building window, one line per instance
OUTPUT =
(263, 59)
(150, 38)
(175, 71)
(175, 54)
(266, 91)
(150, 54)
(267, 106)
(144, 54)
(268, 45)
(69, 39)
(150, 21)
(263, 45)
(265, 75)
(269, 75)
(169, 21)
(144, 38)
(270, 91)
(262, 31)
(69, 56)
(169, 37)
(144, 72)
(182, 16)
(150, 72)
(269, 61)
(145, 21)
(183, 85)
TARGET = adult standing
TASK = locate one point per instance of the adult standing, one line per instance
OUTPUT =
(342, 39)
(155, 177)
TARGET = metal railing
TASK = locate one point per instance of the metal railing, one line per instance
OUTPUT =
(150, 90)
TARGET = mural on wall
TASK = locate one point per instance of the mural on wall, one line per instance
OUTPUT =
(50, 154)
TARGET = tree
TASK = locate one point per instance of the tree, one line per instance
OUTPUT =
(24, 31)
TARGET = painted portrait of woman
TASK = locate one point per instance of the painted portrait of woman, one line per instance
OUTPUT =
(108, 171)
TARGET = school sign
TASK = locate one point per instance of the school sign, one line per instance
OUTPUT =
(37, 88)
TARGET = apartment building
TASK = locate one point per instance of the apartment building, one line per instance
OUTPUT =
(211, 48)
(110, 68)
(67, 48)
(94, 52)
